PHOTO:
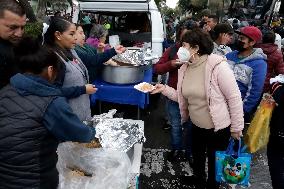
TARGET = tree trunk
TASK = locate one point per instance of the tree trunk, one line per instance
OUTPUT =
(41, 9)
(232, 4)
(231, 8)
(29, 10)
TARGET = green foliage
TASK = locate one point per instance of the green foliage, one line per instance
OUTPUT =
(28, 9)
(199, 3)
(184, 5)
(159, 3)
(33, 30)
(168, 12)
(193, 6)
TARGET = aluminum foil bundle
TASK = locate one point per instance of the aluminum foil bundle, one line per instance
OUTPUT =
(119, 134)
(133, 57)
(97, 118)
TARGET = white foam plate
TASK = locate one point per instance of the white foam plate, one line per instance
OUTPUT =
(141, 87)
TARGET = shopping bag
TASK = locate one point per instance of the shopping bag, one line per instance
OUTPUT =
(233, 167)
(257, 135)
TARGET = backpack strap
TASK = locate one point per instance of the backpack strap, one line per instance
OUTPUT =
(173, 52)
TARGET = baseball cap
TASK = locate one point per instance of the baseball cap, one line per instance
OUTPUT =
(251, 32)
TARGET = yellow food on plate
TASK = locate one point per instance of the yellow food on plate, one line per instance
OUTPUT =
(146, 87)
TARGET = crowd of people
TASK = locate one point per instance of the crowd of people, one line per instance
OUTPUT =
(217, 76)
(218, 72)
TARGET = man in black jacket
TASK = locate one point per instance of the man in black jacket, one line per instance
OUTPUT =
(275, 153)
(12, 22)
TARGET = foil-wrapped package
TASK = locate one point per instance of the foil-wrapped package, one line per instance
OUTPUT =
(133, 57)
(97, 118)
(119, 134)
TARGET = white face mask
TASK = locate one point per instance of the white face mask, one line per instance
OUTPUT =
(183, 54)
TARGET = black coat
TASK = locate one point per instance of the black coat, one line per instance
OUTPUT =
(7, 65)
(27, 149)
(277, 121)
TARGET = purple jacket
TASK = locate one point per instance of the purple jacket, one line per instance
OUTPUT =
(94, 42)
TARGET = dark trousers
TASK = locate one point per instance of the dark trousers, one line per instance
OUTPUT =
(275, 157)
(205, 142)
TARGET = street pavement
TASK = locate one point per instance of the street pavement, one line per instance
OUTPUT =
(158, 173)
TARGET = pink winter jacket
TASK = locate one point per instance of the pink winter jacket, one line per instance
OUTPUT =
(222, 92)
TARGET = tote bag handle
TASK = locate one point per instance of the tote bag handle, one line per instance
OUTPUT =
(230, 149)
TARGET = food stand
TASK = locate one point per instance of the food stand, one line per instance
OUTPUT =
(115, 162)
(123, 93)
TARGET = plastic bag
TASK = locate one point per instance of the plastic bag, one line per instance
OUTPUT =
(233, 167)
(257, 135)
(279, 78)
(104, 169)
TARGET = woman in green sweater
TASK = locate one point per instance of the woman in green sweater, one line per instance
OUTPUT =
(89, 56)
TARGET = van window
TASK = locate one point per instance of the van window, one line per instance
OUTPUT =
(133, 28)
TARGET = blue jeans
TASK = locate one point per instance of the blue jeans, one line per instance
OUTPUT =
(175, 121)
(176, 130)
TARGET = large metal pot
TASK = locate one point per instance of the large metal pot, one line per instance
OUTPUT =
(123, 74)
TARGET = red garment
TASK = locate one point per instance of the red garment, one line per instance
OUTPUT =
(164, 65)
(275, 64)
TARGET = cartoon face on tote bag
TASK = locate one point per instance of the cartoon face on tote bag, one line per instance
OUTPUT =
(234, 171)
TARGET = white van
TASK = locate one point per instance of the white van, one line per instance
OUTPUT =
(142, 16)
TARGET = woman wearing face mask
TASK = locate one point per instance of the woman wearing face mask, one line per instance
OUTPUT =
(168, 63)
(89, 56)
(207, 93)
(34, 118)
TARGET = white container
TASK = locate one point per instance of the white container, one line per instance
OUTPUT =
(114, 40)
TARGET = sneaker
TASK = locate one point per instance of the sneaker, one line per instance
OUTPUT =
(175, 155)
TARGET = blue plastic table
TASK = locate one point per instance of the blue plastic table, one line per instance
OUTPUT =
(122, 94)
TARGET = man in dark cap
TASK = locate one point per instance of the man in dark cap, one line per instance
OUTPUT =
(249, 66)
